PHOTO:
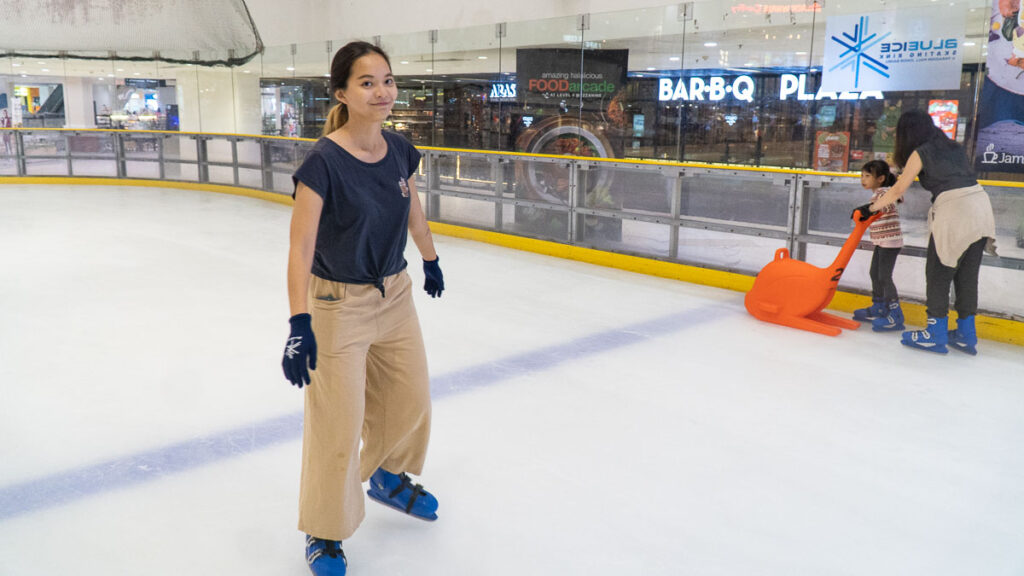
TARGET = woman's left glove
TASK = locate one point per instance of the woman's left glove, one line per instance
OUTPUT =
(300, 349)
(434, 280)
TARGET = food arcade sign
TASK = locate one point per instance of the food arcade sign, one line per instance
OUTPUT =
(716, 88)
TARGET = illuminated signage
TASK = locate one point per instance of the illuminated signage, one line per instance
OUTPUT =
(792, 84)
(776, 8)
(713, 89)
(717, 88)
(503, 91)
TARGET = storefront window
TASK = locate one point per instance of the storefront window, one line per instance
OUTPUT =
(294, 107)
(138, 104)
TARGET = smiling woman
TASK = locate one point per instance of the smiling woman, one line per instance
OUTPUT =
(348, 288)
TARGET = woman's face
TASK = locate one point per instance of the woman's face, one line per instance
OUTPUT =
(370, 92)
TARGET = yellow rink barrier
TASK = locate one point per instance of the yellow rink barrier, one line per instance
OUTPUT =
(988, 327)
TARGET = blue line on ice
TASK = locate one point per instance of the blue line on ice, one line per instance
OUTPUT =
(71, 485)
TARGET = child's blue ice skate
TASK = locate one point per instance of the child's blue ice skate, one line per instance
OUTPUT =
(964, 338)
(932, 338)
(325, 557)
(876, 310)
(398, 492)
(891, 321)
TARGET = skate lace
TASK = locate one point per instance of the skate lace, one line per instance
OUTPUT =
(416, 489)
(331, 548)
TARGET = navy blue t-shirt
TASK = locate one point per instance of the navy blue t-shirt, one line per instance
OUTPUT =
(365, 218)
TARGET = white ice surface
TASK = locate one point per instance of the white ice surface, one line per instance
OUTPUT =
(586, 420)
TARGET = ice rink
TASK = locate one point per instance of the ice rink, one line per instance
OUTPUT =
(586, 420)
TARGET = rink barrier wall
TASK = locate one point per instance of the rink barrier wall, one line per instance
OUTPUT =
(989, 328)
(810, 208)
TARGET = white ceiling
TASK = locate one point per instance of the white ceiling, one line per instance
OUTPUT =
(721, 34)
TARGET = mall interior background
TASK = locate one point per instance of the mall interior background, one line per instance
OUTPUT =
(457, 74)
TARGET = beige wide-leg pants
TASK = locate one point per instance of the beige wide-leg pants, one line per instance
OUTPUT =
(370, 383)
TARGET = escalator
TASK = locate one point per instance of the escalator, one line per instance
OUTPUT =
(50, 114)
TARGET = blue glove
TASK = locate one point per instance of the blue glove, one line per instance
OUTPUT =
(434, 280)
(301, 347)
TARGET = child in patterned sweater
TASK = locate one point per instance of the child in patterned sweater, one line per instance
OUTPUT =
(885, 312)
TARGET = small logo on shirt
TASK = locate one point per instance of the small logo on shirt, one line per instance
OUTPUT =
(404, 186)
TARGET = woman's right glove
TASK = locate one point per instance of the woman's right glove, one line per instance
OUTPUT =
(300, 349)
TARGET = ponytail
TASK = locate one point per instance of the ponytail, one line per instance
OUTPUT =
(336, 118)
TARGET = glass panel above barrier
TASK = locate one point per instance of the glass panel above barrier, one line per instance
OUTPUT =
(420, 95)
(248, 114)
(625, 55)
(280, 93)
(548, 56)
(466, 62)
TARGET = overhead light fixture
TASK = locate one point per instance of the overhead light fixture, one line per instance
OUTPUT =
(246, 71)
(651, 68)
(429, 70)
(969, 44)
(404, 62)
(674, 58)
(120, 69)
(16, 64)
(710, 44)
(290, 68)
(481, 57)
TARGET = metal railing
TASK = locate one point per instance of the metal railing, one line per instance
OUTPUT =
(727, 218)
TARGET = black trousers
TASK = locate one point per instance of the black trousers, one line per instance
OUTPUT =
(883, 261)
(964, 279)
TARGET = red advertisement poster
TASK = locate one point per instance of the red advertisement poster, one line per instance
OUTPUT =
(832, 151)
(945, 114)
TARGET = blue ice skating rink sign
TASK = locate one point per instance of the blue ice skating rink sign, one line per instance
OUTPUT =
(894, 50)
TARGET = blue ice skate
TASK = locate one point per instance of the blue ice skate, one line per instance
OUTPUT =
(876, 310)
(932, 338)
(891, 321)
(398, 492)
(325, 557)
(964, 338)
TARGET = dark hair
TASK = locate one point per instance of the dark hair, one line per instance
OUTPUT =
(341, 69)
(880, 168)
(914, 128)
